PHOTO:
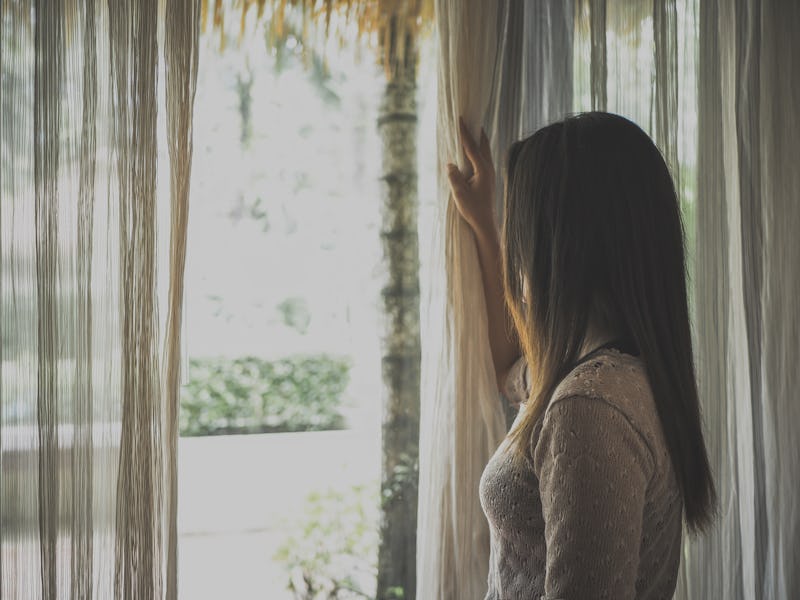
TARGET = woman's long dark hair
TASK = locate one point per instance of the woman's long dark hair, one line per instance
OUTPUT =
(592, 223)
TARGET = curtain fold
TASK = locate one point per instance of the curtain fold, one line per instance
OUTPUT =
(133, 47)
(82, 459)
(47, 91)
(88, 403)
(547, 63)
(182, 30)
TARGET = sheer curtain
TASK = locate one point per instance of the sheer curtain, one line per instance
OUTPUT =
(748, 286)
(460, 420)
(87, 416)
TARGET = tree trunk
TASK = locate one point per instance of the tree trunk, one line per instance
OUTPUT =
(397, 125)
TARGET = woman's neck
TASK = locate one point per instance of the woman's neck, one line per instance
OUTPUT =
(595, 337)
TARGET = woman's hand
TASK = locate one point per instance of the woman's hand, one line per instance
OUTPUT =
(473, 190)
(474, 197)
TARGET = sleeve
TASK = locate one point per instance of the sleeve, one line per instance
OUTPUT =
(593, 468)
(517, 384)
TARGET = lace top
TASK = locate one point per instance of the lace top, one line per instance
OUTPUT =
(592, 509)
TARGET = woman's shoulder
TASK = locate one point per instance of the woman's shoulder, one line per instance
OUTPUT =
(620, 381)
(610, 375)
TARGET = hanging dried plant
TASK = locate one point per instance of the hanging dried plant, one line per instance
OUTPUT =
(389, 28)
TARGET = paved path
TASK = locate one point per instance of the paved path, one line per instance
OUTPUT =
(239, 497)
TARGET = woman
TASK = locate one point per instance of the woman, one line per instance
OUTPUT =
(586, 496)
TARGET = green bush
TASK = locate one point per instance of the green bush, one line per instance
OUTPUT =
(334, 554)
(252, 395)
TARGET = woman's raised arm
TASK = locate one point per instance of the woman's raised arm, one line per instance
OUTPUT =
(473, 192)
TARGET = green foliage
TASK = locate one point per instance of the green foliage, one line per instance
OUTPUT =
(334, 554)
(295, 314)
(402, 478)
(252, 395)
(244, 87)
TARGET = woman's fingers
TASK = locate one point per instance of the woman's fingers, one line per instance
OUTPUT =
(457, 180)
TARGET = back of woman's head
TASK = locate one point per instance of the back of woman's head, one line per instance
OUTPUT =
(592, 225)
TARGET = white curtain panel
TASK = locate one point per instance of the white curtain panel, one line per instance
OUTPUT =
(461, 419)
(748, 298)
(88, 408)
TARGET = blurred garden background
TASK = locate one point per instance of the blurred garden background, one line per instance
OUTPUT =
(280, 454)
